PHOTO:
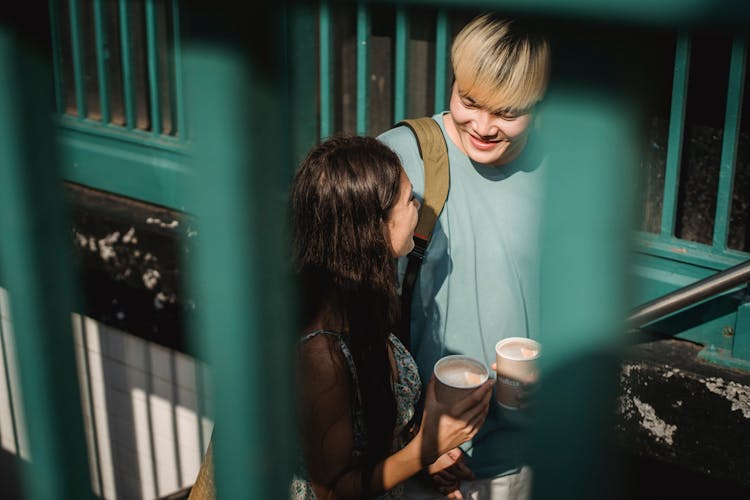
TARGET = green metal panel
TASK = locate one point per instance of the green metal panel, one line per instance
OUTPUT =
(123, 163)
(729, 141)
(237, 269)
(441, 59)
(102, 59)
(676, 128)
(36, 266)
(689, 252)
(363, 68)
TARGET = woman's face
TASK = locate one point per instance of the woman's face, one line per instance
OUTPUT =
(402, 219)
(486, 134)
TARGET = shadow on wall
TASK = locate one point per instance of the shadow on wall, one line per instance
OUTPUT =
(144, 409)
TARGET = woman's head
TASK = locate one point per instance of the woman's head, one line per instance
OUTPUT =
(352, 214)
(501, 62)
(352, 208)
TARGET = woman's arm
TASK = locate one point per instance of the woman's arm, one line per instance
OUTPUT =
(327, 428)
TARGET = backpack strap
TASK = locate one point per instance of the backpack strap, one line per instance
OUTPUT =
(434, 153)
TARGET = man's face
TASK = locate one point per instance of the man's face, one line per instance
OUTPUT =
(488, 133)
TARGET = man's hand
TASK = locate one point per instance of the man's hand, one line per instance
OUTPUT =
(448, 471)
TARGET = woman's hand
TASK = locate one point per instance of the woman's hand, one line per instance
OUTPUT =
(444, 428)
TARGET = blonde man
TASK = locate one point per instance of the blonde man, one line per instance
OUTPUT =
(478, 281)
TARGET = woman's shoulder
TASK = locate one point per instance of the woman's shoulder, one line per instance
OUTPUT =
(323, 352)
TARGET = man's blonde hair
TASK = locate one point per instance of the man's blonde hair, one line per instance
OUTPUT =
(501, 64)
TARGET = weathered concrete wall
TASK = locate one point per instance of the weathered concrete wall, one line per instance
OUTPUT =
(130, 257)
(677, 409)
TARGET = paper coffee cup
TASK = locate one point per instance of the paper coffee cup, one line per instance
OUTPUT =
(457, 375)
(516, 360)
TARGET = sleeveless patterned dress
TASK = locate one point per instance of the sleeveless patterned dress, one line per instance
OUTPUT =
(407, 391)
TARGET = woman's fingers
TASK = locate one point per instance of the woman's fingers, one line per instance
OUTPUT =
(478, 396)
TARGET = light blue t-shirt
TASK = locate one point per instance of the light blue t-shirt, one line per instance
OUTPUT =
(479, 279)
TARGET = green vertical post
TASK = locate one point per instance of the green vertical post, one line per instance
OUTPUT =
(102, 59)
(128, 83)
(79, 68)
(401, 65)
(36, 263)
(326, 91)
(178, 98)
(441, 59)
(154, 75)
(303, 102)
(54, 18)
(587, 131)
(732, 118)
(676, 129)
(741, 339)
(237, 262)
(363, 69)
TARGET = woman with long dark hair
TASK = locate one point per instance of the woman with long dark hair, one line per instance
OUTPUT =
(352, 214)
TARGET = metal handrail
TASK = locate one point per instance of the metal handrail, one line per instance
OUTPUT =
(690, 294)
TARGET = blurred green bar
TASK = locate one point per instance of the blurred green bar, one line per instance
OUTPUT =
(54, 17)
(102, 58)
(178, 97)
(676, 130)
(401, 63)
(36, 262)
(237, 261)
(128, 83)
(641, 12)
(730, 139)
(587, 217)
(441, 59)
(363, 70)
(79, 70)
(326, 110)
(304, 91)
(154, 74)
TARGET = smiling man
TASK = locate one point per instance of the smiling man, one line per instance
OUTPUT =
(478, 282)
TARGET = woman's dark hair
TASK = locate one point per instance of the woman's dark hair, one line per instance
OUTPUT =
(341, 195)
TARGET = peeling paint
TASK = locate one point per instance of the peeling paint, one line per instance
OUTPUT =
(92, 244)
(151, 278)
(106, 248)
(161, 298)
(661, 430)
(130, 236)
(160, 223)
(672, 372)
(738, 395)
(82, 240)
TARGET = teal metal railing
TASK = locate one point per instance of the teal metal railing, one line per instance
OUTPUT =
(232, 171)
(36, 269)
